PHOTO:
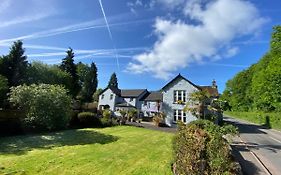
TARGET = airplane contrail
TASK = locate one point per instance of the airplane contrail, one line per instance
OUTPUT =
(110, 34)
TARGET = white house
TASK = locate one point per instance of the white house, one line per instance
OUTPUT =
(171, 99)
(114, 98)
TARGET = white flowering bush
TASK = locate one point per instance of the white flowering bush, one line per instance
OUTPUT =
(47, 106)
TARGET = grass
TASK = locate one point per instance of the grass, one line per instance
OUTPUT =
(258, 118)
(116, 150)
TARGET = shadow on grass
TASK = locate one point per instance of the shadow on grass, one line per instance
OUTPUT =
(23, 144)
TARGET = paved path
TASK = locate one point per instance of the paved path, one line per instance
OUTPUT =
(259, 149)
(149, 125)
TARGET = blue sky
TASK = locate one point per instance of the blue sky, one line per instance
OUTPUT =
(146, 42)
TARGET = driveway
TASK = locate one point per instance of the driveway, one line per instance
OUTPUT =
(258, 148)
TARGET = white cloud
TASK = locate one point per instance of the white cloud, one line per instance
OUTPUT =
(214, 26)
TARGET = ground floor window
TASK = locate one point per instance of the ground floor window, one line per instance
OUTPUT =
(179, 115)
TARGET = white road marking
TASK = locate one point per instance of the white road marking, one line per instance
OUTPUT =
(257, 158)
(275, 139)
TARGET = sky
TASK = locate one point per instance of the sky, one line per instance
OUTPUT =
(146, 42)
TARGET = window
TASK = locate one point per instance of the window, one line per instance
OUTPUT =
(179, 95)
(131, 99)
(111, 96)
(145, 103)
(102, 96)
(179, 115)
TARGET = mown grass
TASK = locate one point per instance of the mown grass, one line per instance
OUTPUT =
(258, 118)
(115, 150)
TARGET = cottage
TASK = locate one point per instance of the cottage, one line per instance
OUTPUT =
(171, 99)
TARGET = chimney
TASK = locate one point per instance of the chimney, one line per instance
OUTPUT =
(214, 84)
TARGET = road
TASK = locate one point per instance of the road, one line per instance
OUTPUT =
(259, 148)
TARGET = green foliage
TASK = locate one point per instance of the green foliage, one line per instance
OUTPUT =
(4, 88)
(68, 66)
(196, 103)
(13, 66)
(89, 119)
(275, 43)
(267, 83)
(259, 118)
(106, 119)
(259, 86)
(132, 113)
(97, 94)
(38, 73)
(47, 107)
(88, 80)
(113, 81)
(199, 148)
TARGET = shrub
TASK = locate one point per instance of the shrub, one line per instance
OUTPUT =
(3, 89)
(199, 148)
(47, 107)
(106, 119)
(89, 119)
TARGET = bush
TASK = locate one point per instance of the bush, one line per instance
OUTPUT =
(132, 114)
(159, 119)
(107, 119)
(3, 89)
(89, 119)
(200, 148)
(47, 107)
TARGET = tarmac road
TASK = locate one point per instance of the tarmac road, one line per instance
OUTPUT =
(260, 148)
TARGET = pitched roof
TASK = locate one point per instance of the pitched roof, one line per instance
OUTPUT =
(132, 92)
(114, 90)
(211, 90)
(153, 96)
(177, 77)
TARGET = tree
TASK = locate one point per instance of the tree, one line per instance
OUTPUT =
(38, 73)
(196, 103)
(113, 82)
(258, 87)
(47, 106)
(90, 82)
(68, 66)
(97, 94)
(275, 43)
(14, 65)
(4, 88)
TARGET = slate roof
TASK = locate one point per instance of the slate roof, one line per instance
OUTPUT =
(177, 77)
(114, 90)
(211, 90)
(132, 92)
(153, 96)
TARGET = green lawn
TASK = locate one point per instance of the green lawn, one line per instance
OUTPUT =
(116, 150)
(258, 118)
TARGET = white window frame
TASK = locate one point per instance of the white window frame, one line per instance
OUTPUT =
(179, 95)
(102, 96)
(111, 96)
(180, 115)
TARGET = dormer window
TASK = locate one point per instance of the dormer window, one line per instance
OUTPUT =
(111, 96)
